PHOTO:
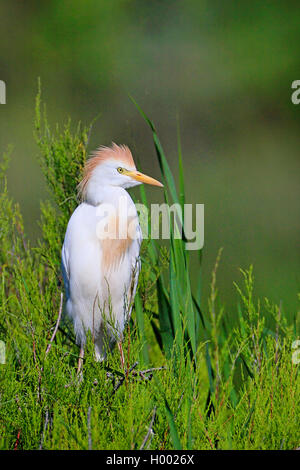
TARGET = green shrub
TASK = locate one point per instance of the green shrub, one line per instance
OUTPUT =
(206, 382)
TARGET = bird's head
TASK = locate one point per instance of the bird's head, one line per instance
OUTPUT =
(111, 166)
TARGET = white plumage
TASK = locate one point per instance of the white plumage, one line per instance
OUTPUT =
(100, 254)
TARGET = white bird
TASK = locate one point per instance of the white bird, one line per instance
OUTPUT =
(100, 254)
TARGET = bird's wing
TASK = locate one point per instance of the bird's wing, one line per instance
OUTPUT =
(65, 269)
(135, 267)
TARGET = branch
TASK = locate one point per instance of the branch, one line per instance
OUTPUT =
(44, 430)
(124, 377)
(56, 326)
(150, 431)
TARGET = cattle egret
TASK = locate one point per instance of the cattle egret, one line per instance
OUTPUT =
(100, 262)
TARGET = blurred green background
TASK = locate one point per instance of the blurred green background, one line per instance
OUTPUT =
(225, 68)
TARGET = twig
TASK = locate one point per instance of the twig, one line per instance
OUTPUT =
(57, 323)
(150, 431)
(135, 373)
(277, 334)
(142, 373)
(147, 371)
(44, 430)
(36, 364)
(89, 427)
(68, 199)
(179, 405)
(124, 377)
(121, 355)
(206, 433)
(128, 353)
(17, 440)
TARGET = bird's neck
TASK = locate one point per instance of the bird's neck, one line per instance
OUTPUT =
(113, 195)
(117, 216)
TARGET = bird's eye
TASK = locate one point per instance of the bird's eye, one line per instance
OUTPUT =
(120, 169)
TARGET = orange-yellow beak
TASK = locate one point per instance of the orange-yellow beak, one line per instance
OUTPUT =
(136, 175)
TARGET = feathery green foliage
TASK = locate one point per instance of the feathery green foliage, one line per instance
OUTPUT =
(201, 382)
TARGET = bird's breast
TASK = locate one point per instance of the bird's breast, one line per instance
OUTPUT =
(116, 238)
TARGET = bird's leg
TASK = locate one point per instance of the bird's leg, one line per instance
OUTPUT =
(121, 354)
(80, 359)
